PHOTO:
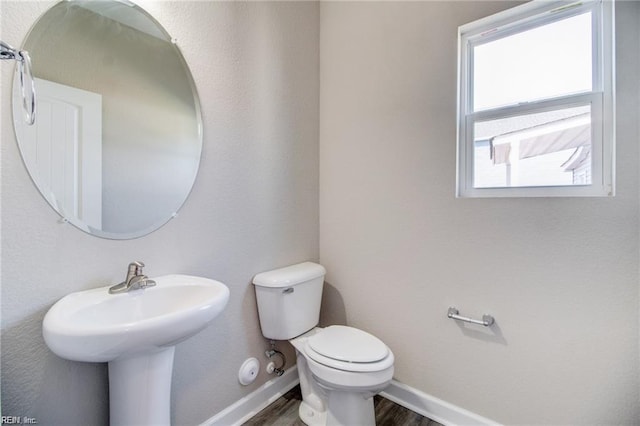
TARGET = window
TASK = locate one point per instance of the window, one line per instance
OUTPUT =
(536, 105)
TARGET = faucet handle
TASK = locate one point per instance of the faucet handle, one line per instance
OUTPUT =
(135, 268)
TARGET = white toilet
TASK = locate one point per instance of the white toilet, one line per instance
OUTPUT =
(341, 368)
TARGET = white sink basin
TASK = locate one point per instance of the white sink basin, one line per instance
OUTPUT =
(136, 333)
(96, 326)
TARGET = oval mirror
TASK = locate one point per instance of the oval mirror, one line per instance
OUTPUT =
(116, 144)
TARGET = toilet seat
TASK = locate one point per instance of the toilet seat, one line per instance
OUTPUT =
(348, 349)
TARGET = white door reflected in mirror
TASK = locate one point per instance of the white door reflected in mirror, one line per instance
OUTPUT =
(64, 150)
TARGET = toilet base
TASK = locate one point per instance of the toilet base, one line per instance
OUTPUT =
(350, 408)
(344, 409)
(311, 416)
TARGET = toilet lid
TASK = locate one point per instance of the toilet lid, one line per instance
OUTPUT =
(348, 344)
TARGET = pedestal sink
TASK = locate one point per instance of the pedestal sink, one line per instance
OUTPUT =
(136, 333)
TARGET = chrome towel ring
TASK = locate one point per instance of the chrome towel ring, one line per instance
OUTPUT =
(27, 84)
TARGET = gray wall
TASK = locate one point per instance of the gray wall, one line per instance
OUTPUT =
(254, 207)
(559, 275)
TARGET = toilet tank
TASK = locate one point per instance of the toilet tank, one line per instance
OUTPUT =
(289, 300)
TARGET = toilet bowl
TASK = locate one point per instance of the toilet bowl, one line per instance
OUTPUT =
(343, 368)
(340, 368)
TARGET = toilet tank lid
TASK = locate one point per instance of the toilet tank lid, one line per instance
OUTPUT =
(290, 275)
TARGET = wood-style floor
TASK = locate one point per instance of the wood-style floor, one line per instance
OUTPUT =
(284, 412)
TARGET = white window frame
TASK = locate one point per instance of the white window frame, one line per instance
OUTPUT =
(601, 98)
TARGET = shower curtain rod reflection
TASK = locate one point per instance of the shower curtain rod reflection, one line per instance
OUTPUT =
(27, 84)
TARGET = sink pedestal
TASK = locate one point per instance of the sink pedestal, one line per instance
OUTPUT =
(140, 389)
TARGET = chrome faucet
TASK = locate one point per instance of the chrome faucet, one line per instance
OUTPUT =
(135, 279)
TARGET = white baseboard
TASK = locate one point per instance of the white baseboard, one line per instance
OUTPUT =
(250, 405)
(411, 398)
(432, 407)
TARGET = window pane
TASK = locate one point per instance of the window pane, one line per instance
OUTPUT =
(544, 149)
(546, 61)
